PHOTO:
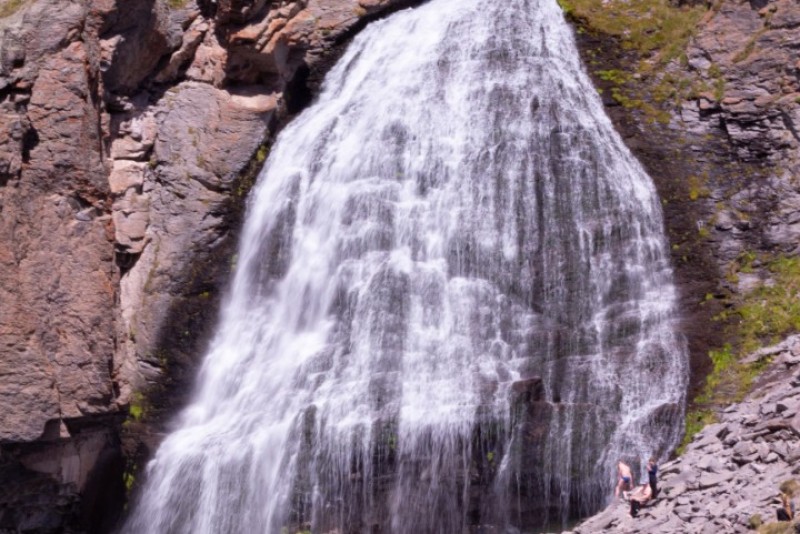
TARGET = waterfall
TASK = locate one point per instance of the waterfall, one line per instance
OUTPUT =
(453, 306)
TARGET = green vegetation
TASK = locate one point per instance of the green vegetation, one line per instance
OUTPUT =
(761, 317)
(745, 52)
(772, 311)
(137, 408)
(783, 527)
(616, 76)
(129, 478)
(697, 187)
(9, 7)
(177, 4)
(647, 26)
(656, 32)
(263, 152)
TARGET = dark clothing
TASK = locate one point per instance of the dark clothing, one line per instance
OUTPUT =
(652, 475)
(635, 505)
(782, 512)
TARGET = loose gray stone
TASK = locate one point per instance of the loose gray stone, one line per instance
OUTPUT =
(744, 448)
(676, 490)
(709, 480)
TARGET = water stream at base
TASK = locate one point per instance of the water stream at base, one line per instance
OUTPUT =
(452, 308)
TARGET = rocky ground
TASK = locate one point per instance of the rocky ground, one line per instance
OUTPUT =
(728, 478)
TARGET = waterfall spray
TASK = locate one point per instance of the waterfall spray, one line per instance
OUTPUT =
(453, 305)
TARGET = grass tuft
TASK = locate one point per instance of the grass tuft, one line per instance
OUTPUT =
(762, 317)
(9, 7)
(647, 26)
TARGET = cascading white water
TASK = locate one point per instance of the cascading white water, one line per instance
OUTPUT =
(453, 217)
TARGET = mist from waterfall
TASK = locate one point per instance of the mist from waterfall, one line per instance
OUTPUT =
(452, 307)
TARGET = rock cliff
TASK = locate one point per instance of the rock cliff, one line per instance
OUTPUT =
(745, 56)
(708, 99)
(131, 132)
(715, 122)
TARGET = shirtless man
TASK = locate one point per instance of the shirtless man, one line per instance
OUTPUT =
(625, 478)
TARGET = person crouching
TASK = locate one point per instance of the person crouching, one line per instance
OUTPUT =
(640, 496)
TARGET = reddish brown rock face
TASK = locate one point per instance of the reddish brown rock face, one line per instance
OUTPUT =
(59, 277)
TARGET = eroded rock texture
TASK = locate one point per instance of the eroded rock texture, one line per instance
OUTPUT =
(58, 275)
(130, 133)
(746, 52)
(723, 153)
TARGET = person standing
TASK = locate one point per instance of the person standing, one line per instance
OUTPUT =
(625, 478)
(652, 475)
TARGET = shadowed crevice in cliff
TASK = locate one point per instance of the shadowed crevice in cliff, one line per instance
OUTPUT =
(297, 69)
(58, 483)
(29, 141)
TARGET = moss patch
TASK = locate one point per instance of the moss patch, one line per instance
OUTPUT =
(137, 408)
(759, 318)
(772, 311)
(650, 27)
(9, 7)
(783, 527)
(654, 33)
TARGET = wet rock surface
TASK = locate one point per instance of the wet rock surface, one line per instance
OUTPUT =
(732, 469)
